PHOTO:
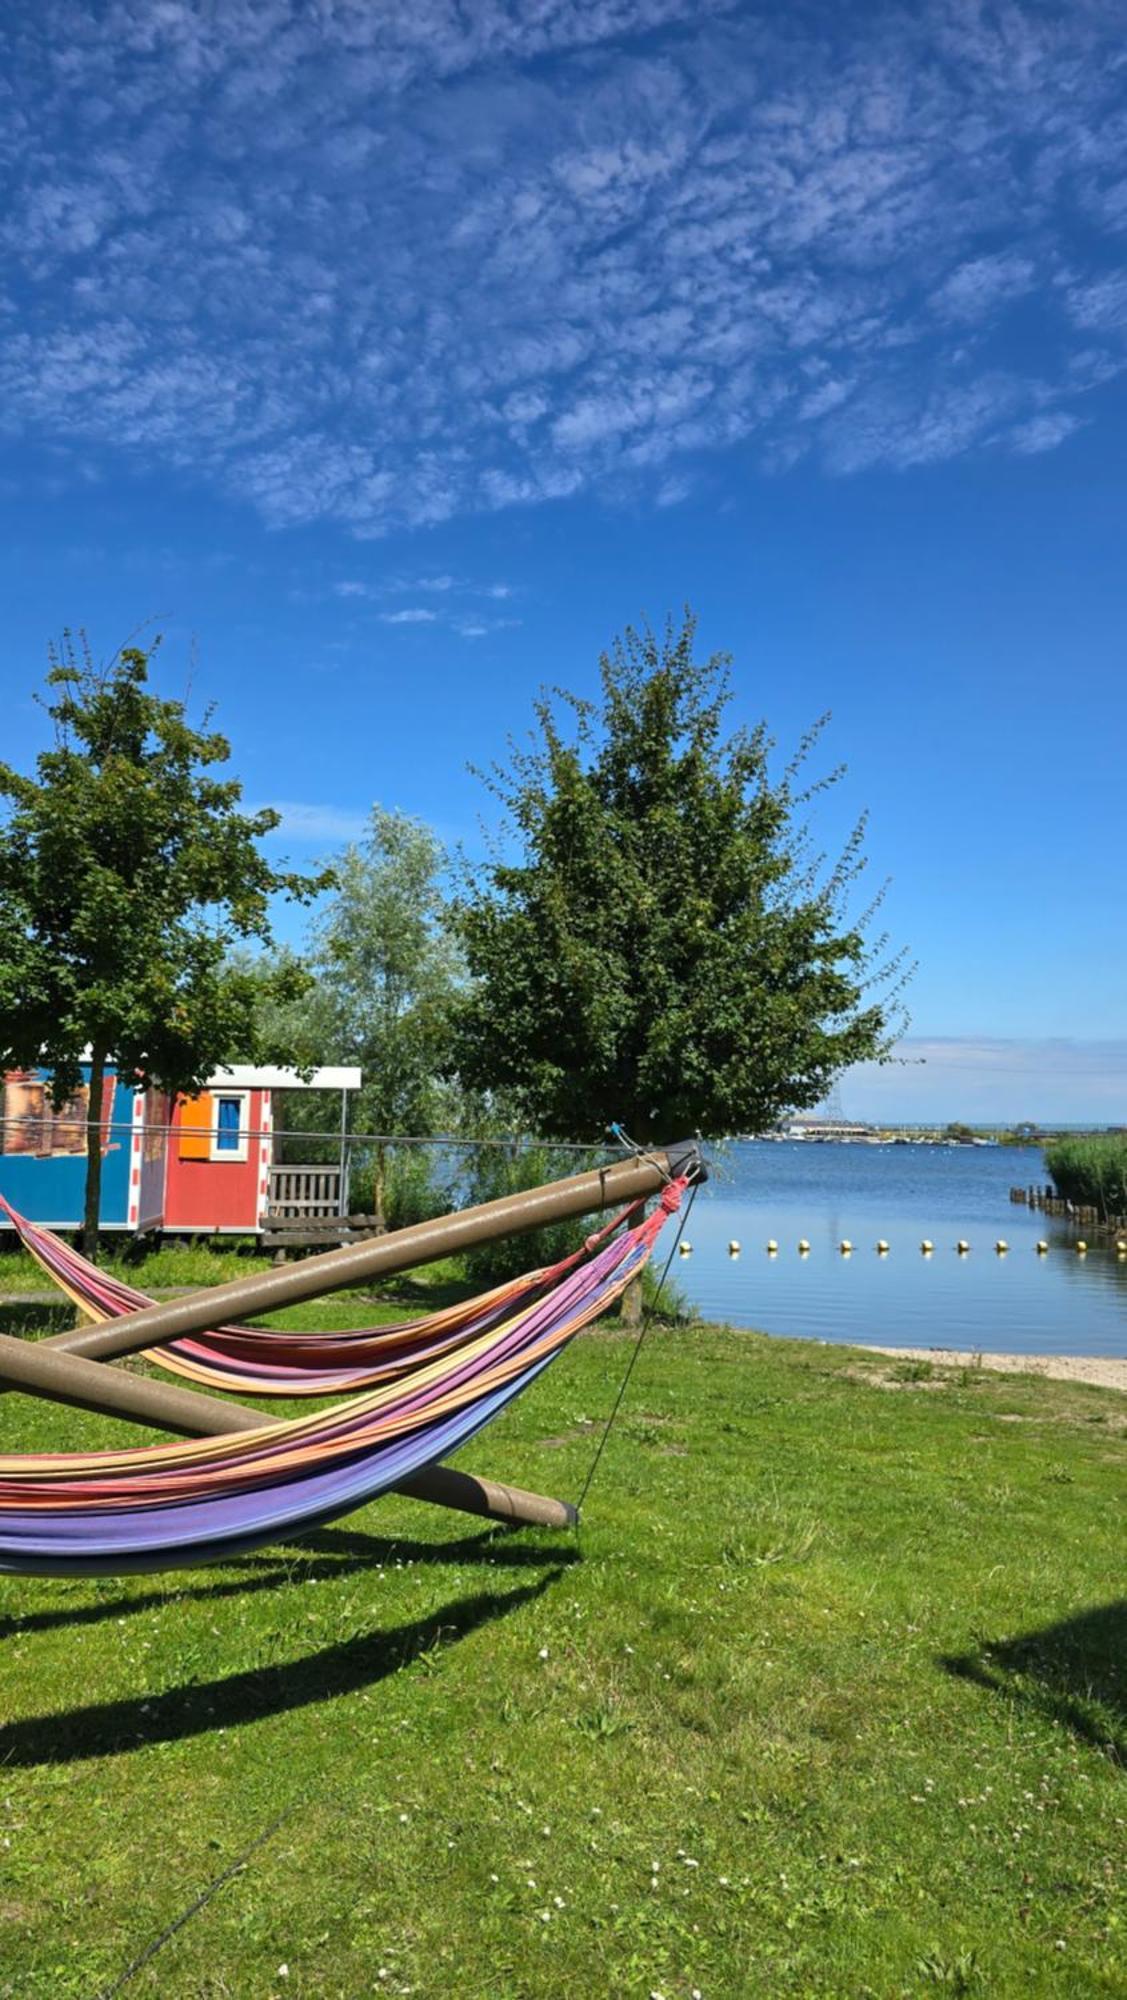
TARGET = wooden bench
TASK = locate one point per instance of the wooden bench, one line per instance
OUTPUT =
(283, 1233)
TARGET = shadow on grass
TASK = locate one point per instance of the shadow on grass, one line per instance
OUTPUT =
(1075, 1673)
(318, 1557)
(421, 1294)
(114, 1728)
(23, 1320)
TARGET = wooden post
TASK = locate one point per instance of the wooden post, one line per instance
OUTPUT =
(247, 1298)
(62, 1370)
(111, 1392)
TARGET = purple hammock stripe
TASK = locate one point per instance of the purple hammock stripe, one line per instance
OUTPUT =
(346, 1461)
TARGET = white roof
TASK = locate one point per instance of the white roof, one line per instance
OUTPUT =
(245, 1076)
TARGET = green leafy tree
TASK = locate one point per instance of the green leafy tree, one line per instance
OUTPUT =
(664, 948)
(386, 972)
(127, 874)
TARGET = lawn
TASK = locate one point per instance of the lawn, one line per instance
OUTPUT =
(826, 1698)
(170, 1268)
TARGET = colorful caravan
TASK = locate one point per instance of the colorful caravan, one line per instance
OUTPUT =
(197, 1164)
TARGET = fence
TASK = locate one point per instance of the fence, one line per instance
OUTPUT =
(1050, 1202)
(359, 1180)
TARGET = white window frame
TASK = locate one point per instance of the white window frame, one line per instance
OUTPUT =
(231, 1156)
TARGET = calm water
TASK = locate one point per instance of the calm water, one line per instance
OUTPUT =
(1020, 1303)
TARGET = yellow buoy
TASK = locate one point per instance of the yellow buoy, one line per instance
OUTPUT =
(1001, 1246)
(845, 1246)
(1121, 1248)
(733, 1248)
(1081, 1247)
(962, 1246)
(1042, 1249)
(882, 1248)
(804, 1247)
(686, 1249)
(927, 1246)
(772, 1246)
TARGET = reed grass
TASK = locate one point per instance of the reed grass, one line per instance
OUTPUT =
(1092, 1169)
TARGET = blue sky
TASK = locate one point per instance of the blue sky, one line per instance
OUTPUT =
(390, 359)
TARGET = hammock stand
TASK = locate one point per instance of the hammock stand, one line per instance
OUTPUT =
(71, 1369)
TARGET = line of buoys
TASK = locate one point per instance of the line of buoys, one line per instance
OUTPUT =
(927, 1247)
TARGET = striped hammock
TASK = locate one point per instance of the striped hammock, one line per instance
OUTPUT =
(272, 1361)
(169, 1505)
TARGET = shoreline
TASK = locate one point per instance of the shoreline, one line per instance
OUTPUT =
(1102, 1371)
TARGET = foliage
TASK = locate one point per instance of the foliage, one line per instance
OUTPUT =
(503, 1170)
(384, 975)
(387, 970)
(127, 874)
(1092, 1170)
(666, 950)
(853, 1653)
(1025, 1133)
(410, 1183)
(666, 1301)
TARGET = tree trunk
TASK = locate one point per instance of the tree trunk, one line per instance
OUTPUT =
(93, 1203)
(379, 1184)
(630, 1305)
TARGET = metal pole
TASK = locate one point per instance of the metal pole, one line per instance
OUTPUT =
(87, 1385)
(248, 1298)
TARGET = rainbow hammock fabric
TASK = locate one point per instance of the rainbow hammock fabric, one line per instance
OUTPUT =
(271, 1361)
(169, 1505)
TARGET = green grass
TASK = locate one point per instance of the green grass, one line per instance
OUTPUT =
(827, 1699)
(1091, 1169)
(180, 1266)
(173, 1266)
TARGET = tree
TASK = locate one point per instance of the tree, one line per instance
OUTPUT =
(386, 973)
(127, 873)
(666, 950)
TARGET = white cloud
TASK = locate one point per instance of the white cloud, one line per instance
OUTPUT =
(388, 265)
(1044, 433)
(973, 291)
(314, 823)
(416, 614)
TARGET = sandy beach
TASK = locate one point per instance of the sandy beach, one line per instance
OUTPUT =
(1106, 1371)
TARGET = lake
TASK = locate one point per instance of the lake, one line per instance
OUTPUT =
(1020, 1303)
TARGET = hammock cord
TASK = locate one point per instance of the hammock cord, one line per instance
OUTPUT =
(647, 1321)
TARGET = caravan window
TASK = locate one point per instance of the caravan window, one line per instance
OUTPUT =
(29, 1123)
(229, 1133)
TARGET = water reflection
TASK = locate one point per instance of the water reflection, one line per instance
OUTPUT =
(1018, 1302)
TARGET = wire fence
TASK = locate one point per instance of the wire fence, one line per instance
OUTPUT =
(391, 1178)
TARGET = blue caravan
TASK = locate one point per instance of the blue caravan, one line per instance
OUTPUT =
(43, 1151)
